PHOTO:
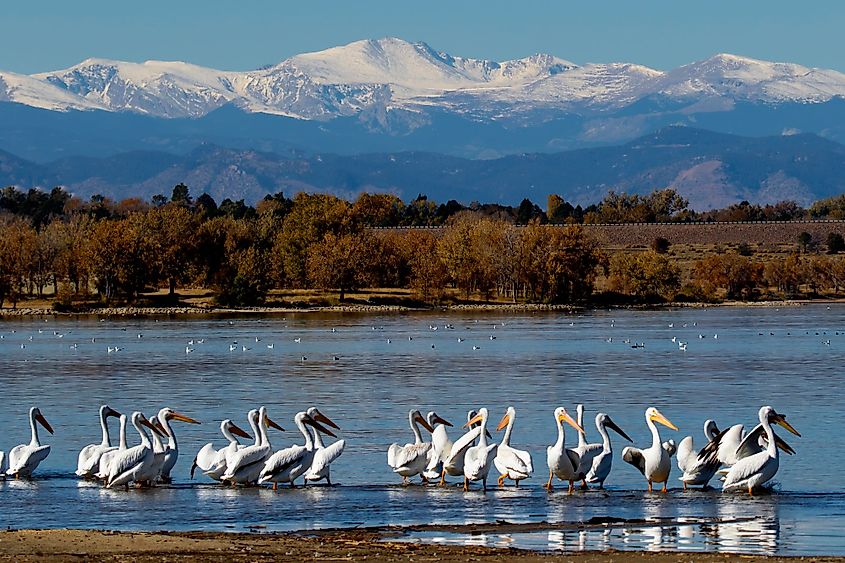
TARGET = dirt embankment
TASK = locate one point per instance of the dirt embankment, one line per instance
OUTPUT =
(351, 545)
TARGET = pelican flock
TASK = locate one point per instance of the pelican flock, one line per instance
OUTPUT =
(746, 461)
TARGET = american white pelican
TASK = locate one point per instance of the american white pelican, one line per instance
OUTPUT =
(757, 469)
(479, 459)
(159, 452)
(133, 464)
(598, 458)
(697, 469)
(440, 445)
(654, 462)
(107, 457)
(726, 444)
(562, 462)
(511, 463)
(323, 455)
(212, 462)
(286, 465)
(88, 463)
(171, 451)
(454, 454)
(410, 459)
(24, 459)
(244, 466)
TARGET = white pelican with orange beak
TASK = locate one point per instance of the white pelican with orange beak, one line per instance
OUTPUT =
(244, 466)
(24, 459)
(654, 462)
(212, 462)
(479, 459)
(563, 462)
(171, 450)
(411, 459)
(286, 465)
(755, 470)
(511, 463)
(88, 463)
(323, 455)
(133, 464)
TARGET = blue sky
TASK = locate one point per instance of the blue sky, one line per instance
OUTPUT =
(47, 35)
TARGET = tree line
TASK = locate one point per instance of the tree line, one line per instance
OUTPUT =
(51, 242)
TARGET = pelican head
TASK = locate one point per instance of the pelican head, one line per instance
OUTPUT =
(710, 429)
(654, 415)
(315, 413)
(603, 419)
(433, 418)
(510, 414)
(562, 416)
(309, 420)
(35, 413)
(234, 429)
(169, 414)
(416, 416)
(479, 418)
(139, 418)
(262, 413)
(770, 414)
(107, 411)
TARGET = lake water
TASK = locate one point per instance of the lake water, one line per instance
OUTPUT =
(789, 357)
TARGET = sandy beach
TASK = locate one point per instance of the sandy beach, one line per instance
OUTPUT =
(348, 545)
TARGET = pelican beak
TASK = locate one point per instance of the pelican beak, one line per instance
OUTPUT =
(272, 424)
(564, 417)
(44, 423)
(780, 420)
(474, 420)
(419, 418)
(146, 422)
(320, 417)
(612, 425)
(111, 412)
(320, 428)
(158, 428)
(238, 431)
(504, 422)
(182, 418)
(783, 445)
(442, 421)
(658, 417)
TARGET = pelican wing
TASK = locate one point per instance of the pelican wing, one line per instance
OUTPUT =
(327, 455)
(247, 456)
(686, 459)
(17, 458)
(574, 458)
(635, 457)
(670, 447)
(462, 444)
(744, 469)
(400, 456)
(510, 459)
(126, 461)
(587, 454)
(440, 441)
(282, 460)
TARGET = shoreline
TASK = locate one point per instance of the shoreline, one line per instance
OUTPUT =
(187, 311)
(327, 545)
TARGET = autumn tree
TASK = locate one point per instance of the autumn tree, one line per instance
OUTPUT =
(18, 242)
(428, 275)
(170, 231)
(377, 210)
(732, 272)
(455, 249)
(786, 274)
(646, 274)
(341, 262)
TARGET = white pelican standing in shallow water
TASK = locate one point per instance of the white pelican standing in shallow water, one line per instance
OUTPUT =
(244, 466)
(511, 463)
(286, 465)
(88, 463)
(757, 469)
(171, 451)
(440, 445)
(24, 459)
(697, 469)
(411, 459)
(598, 458)
(133, 464)
(107, 457)
(563, 462)
(323, 455)
(654, 462)
(212, 462)
(479, 459)
(454, 454)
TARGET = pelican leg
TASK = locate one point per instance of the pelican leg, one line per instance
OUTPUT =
(405, 482)
(292, 486)
(501, 480)
(516, 483)
(750, 491)
(424, 479)
(685, 485)
(275, 486)
(484, 484)
(329, 480)
(548, 486)
(466, 484)
(571, 487)
(442, 478)
(664, 489)
(649, 486)
(583, 484)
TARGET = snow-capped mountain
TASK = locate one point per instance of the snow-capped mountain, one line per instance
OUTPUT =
(393, 74)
